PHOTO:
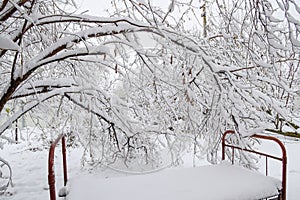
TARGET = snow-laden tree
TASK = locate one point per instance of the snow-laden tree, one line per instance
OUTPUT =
(47, 69)
(128, 99)
(241, 73)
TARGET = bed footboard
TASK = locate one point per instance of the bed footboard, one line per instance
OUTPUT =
(282, 159)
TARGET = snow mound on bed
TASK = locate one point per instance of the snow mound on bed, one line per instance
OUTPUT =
(216, 182)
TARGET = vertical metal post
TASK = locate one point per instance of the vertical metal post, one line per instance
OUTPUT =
(51, 174)
(284, 163)
(266, 165)
(223, 147)
(232, 156)
(63, 146)
(223, 142)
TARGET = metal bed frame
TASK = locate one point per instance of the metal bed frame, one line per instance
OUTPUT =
(283, 157)
(225, 144)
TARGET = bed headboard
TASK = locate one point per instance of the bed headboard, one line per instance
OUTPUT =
(283, 158)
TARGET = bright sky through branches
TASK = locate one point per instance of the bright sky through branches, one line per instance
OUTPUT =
(93, 6)
(97, 7)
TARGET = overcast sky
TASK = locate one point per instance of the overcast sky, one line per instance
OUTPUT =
(97, 7)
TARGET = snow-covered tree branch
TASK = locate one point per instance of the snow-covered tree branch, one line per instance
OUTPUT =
(147, 78)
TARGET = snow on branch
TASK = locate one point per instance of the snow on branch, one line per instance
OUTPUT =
(41, 20)
(8, 8)
(88, 50)
(43, 86)
(33, 102)
(8, 44)
(46, 55)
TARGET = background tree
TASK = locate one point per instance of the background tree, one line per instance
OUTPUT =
(243, 75)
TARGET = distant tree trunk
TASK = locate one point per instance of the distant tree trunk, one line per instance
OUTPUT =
(16, 131)
(204, 19)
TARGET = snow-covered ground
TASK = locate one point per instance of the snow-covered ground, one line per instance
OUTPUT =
(29, 166)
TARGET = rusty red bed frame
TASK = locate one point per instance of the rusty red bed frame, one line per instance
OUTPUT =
(283, 159)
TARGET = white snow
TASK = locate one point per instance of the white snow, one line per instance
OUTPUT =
(263, 64)
(223, 181)
(294, 40)
(8, 44)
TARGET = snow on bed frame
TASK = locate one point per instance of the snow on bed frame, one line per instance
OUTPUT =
(283, 158)
(225, 144)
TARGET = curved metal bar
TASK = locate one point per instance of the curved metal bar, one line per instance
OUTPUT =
(51, 174)
(283, 159)
(5, 186)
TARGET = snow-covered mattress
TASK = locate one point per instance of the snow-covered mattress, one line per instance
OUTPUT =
(215, 182)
